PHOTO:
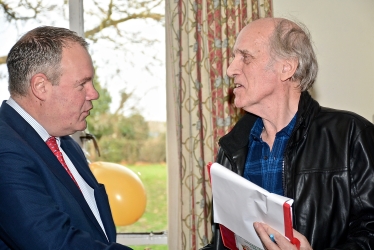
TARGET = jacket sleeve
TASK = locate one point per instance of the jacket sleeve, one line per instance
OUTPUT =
(361, 223)
(29, 216)
(216, 242)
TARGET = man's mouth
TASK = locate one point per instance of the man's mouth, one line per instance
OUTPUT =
(237, 85)
(88, 110)
(86, 113)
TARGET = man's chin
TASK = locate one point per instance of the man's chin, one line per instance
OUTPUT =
(84, 126)
(238, 104)
(81, 127)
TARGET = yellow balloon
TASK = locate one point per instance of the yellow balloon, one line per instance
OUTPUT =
(126, 193)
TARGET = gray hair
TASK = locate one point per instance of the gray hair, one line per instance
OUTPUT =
(289, 40)
(39, 51)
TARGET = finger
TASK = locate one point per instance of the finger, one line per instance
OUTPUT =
(264, 232)
(304, 243)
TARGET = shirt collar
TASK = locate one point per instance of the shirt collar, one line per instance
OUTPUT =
(259, 126)
(257, 129)
(289, 128)
(30, 120)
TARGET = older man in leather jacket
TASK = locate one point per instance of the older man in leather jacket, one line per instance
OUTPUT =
(290, 145)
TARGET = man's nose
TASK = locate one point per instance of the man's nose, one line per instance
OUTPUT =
(233, 69)
(92, 93)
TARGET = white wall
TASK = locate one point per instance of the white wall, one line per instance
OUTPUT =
(343, 35)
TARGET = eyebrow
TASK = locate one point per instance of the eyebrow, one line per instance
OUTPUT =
(242, 52)
(86, 79)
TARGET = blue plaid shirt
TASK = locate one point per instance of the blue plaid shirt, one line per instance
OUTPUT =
(264, 167)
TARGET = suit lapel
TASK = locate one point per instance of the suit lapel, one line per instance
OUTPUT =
(105, 212)
(77, 157)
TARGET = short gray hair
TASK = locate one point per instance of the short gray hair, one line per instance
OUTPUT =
(39, 51)
(291, 40)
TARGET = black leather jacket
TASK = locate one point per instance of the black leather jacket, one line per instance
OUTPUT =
(328, 171)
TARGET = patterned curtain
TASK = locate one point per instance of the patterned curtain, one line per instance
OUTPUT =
(200, 35)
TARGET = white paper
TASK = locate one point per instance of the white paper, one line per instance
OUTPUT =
(238, 203)
(242, 244)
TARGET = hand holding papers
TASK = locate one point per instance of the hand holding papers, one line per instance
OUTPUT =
(238, 203)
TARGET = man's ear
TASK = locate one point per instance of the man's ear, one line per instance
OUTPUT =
(289, 67)
(39, 86)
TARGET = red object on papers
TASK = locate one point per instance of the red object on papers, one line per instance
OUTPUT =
(208, 168)
(229, 238)
(288, 225)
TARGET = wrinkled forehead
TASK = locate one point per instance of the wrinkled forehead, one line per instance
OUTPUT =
(253, 40)
(256, 34)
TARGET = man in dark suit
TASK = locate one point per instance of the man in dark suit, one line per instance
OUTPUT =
(49, 199)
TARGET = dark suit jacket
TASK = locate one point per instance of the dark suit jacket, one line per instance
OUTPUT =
(40, 206)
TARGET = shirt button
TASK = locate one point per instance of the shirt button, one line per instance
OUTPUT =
(265, 157)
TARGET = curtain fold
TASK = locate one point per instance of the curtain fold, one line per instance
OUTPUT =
(199, 37)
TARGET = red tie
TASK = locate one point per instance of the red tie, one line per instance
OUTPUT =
(52, 144)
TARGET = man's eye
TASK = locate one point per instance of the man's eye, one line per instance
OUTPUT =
(246, 58)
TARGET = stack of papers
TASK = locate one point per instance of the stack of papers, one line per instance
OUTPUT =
(238, 203)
